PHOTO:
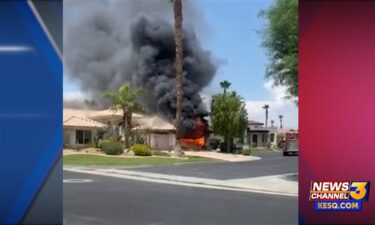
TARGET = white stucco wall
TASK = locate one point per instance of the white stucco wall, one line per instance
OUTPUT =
(69, 136)
(162, 141)
(259, 139)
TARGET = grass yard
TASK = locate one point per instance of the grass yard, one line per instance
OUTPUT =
(86, 159)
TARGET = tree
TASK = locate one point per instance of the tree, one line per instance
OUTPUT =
(225, 85)
(281, 121)
(272, 123)
(266, 107)
(281, 42)
(177, 9)
(124, 100)
(228, 117)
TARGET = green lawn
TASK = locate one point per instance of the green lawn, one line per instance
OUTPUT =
(84, 159)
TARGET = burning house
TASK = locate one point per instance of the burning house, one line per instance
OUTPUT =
(133, 41)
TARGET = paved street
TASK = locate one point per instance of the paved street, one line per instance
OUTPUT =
(272, 163)
(108, 200)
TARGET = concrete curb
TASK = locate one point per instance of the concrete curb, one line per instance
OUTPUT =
(180, 180)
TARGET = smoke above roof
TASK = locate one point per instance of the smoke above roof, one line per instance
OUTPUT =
(107, 43)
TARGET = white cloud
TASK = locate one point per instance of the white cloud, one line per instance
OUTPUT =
(278, 106)
(74, 96)
(14, 48)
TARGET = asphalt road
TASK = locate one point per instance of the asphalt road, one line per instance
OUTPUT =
(272, 163)
(109, 200)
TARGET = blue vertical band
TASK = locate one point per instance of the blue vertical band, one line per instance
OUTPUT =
(30, 109)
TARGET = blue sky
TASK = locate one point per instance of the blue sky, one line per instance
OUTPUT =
(233, 37)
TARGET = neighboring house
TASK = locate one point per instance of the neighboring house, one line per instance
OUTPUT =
(259, 136)
(158, 133)
(82, 126)
(112, 119)
(79, 130)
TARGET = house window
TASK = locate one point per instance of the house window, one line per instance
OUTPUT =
(83, 136)
(272, 137)
(264, 138)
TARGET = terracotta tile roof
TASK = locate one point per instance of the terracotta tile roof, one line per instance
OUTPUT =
(75, 121)
(92, 114)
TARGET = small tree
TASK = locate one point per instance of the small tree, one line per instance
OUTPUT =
(280, 39)
(124, 100)
(229, 117)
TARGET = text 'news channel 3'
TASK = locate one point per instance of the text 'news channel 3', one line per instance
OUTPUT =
(339, 195)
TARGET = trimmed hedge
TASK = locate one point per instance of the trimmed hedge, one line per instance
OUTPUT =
(141, 150)
(112, 147)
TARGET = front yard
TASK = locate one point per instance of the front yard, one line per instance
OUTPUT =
(87, 159)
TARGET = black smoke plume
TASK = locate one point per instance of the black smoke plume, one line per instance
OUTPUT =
(133, 41)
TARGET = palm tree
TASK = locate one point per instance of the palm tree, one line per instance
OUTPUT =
(124, 100)
(177, 9)
(272, 121)
(266, 107)
(281, 121)
(225, 85)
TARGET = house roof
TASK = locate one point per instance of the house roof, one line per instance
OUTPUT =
(94, 113)
(75, 121)
(109, 113)
(154, 123)
(253, 122)
(286, 130)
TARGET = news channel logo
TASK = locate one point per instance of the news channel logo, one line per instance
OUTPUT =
(339, 195)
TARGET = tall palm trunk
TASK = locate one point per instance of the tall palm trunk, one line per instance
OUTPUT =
(266, 117)
(128, 129)
(281, 121)
(124, 128)
(126, 125)
(177, 7)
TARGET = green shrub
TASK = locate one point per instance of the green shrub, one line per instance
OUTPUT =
(246, 152)
(159, 153)
(214, 143)
(91, 145)
(112, 147)
(96, 141)
(141, 150)
(223, 147)
(102, 142)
